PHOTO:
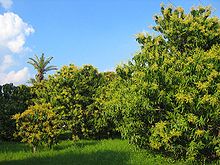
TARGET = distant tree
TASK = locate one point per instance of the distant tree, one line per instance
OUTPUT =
(31, 81)
(40, 64)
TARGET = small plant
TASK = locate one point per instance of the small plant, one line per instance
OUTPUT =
(38, 125)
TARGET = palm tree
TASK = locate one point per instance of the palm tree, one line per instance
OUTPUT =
(40, 64)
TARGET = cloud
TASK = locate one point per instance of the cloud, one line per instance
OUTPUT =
(7, 61)
(6, 3)
(16, 77)
(19, 77)
(13, 32)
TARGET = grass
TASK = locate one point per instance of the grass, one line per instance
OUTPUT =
(84, 152)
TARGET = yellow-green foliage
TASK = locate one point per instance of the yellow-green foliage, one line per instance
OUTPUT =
(168, 96)
(73, 93)
(38, 125)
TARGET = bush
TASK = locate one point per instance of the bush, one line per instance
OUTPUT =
(167, 98)
(38, 125)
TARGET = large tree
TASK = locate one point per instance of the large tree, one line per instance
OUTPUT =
(168, 96)
(41, 65)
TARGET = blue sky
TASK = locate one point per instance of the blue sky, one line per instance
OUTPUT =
(97, 32)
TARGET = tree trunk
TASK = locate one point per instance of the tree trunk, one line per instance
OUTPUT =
(39, 77)
(34, 149)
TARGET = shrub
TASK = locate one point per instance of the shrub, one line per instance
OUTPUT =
(38, 125)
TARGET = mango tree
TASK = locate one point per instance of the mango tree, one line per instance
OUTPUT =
(167, 97)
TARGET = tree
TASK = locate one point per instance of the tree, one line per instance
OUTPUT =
(73, 92)
(38, 125)
(168, 97)
(40, 64)
(13, 99)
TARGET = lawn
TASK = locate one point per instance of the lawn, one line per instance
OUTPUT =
(86, 152)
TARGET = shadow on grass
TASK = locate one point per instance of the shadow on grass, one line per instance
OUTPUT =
(18, 147)
(82, 144)
(78, 144)
(14, 147)
(105, 157)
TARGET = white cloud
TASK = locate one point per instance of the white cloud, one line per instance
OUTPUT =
(7, 61)
(19, 77)
(6, 3)
(13, 32)
(15, 77)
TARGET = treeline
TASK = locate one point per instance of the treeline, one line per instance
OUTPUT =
(166, 98)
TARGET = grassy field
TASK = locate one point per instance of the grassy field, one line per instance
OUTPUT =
(85, 152)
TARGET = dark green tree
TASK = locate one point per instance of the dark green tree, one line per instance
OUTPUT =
(13, 99)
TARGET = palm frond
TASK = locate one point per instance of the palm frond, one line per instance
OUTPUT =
(52, 67)
(37, 58)
(32, 61)
(47, 61)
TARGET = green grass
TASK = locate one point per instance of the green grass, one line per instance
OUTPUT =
(85, 152)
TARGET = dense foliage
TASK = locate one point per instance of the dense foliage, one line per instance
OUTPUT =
(38, 125)
(12, 100)
(167, 97)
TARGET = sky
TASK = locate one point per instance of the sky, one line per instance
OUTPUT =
(97, 32)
